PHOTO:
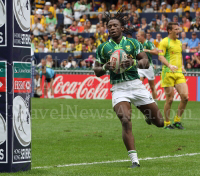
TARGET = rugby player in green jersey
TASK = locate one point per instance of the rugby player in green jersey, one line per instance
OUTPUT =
(127, 87)
(150, 50)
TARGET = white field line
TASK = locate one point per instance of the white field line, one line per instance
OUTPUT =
(117, 161)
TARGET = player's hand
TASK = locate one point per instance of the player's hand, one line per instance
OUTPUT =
(109, 66)
(160, 51)
(127, 63)
(173, 68)
(184, 71)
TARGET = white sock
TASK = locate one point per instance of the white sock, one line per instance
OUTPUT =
(133, 156)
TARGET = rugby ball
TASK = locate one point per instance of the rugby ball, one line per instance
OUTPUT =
(116, 58)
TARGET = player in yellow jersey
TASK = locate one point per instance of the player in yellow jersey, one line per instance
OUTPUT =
(172, 74)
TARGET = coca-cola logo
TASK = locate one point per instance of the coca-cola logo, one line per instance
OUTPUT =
(91, 87)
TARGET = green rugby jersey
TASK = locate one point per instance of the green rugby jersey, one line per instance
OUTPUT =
(148, 45)
(130, 46)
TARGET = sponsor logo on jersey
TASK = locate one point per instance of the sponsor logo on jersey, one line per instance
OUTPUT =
(128, 48)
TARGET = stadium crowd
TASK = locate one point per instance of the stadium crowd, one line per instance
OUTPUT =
(50, 37)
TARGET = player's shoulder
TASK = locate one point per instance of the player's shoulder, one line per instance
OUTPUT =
(164, 41)
(102, 45)
(134, 42)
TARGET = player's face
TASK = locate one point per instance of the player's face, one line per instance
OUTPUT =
(175, 31)
(139, 37)
(114, 28)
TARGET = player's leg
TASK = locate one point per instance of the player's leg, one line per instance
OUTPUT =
(182, 89)
(169, 93)
(52, 88)
(45, 89)
(152, 112)
(123, 111)
(153, 89)
(142, 79)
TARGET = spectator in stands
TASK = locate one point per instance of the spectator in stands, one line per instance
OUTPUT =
(164, 8)
(148, 9)
(120, 3)
(68, 18)
(138, 6)
(55, 48)
(183, 39)
(196, 60)
(41, 18)
(81, 25)
(63, 48)
(83, 19)
(102, 36)
(64, 39)
(89, 28)
(37, 93)
(53, 37)
(84, 49)
(157, 40)
(187, 14)
(48, 8)
(51, 23)
(39, 4)
(135, 10)
(79, 8)
(196, 26)
(196, 7)
(175, 7)
(42, 48)
(73, 29)
(63, 64)
(47, 42)
(163, 27)
(88, 5)
(96, 4)
(82, 64)
(37, 28)
(113, 8)
(154, 26)
(144, 25)
(55, 6)
(193, 43)
(195, 1)
(156, 8)
(149, 37)
(92, 43)
(102, 8)
(89, 61)
(61, 5)
(86, 42)
(175, 19)
(184, 48)
(197, 14)
(188, 60)
(188, 66)
(185, 24)
(49, 61)
(77, 43)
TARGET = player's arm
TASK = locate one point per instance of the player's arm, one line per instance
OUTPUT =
(101, 66)
(141, 60)
(162, 59)
(152, 49)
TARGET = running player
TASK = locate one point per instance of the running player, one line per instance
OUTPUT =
(172, 75)
(150, 50)
(127, 87)
(50, 76)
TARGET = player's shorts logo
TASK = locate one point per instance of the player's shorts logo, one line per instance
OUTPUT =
(21, 121)
(2, 14)
(2, 130)
(21, 9)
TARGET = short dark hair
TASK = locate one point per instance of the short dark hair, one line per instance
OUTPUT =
(169, 26)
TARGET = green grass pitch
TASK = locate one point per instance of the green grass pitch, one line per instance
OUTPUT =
(87, 131)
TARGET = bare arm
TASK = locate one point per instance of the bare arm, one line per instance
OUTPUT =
(153, 51)
(143, 61)
(164, 61)
(98, 69)
(40, 83)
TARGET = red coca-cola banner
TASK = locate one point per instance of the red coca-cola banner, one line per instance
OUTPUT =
(92, 87)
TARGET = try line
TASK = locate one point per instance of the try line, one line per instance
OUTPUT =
(117, 161)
